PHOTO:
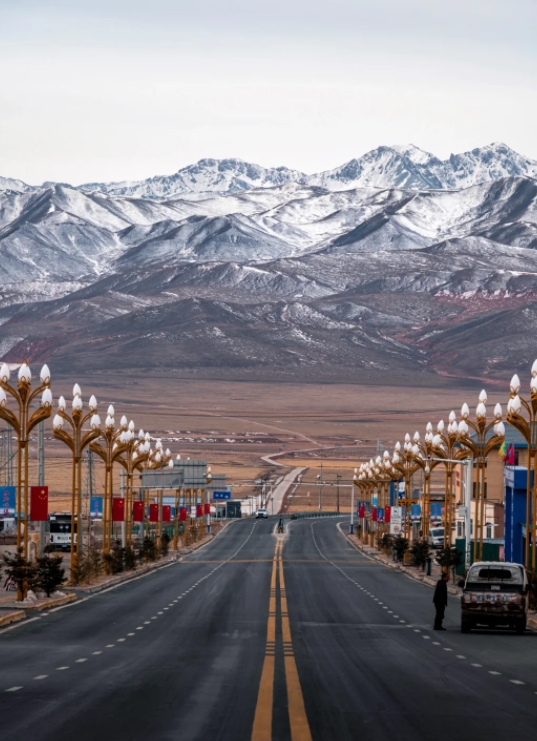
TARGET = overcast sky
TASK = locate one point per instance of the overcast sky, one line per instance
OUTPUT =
(126, 89)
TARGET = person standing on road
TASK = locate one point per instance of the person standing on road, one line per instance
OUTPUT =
(440, 601)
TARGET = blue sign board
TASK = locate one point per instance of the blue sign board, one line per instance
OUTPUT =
(436, 510)
(96, 508)
(221, 495)
(7, 501)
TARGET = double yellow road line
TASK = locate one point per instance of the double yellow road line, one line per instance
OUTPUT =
(298, 721)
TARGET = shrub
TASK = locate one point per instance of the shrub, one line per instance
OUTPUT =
(400, 546)
(149, 550)
(164, 544)
(49, 573)
(21, 572)
(419, 553)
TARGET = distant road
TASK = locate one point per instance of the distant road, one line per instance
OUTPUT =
(274, 504)
(258, 637)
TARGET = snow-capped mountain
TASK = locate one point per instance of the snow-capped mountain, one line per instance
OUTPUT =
(309, 274)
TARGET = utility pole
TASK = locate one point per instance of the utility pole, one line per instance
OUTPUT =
(9, 456)
(41, 479)
(321, 489)
(338, 476)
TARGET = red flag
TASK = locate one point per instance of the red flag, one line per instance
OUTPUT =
(511, 456)
(137, 511)
(153, 513)
(118, 509)
(39, 503)
(387, 514)
(361, 512)
(166, 513)
(199, 510)
(182, 514)
(374, 514)
(207, 508)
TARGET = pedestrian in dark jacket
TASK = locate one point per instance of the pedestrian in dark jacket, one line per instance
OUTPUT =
(440, 601)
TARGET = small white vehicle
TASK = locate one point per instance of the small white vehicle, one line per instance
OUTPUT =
(261, 513)
(436, 537)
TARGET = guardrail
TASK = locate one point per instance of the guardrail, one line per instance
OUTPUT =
(306, 515)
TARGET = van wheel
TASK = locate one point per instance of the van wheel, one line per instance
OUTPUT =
(466, 626)
(520, 627)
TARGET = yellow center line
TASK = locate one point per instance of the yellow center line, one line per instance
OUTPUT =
(262, 728)
(298, 720)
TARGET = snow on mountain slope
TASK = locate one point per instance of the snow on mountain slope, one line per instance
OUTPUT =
(17, 186)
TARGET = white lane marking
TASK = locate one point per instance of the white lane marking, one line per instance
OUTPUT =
(448, 649)
(416, 630)
(131, 634)
(480, 666)
(96, 653)
(147, 622)
(110, 645)
(80, 661)
(436, 643)
(13, 689)
(41, 676)
(166, 608)
(402, 621)
(427, 638)
(154, 618)
(139, 628)
(120, 640)
(516, 681)
(396, 616)
(390, 612)
(160, 613)
(61, 668)
(459, 656)
(497, 674)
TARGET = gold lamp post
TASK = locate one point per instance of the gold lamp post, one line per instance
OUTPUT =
(522, 415)
(109, 451)
(23, 422)
(76, 440)
(447, 448)
(422, 452)
(406, 465)
(136, 452)
(480, 438)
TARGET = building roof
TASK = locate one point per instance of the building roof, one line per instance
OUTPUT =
(512, 436)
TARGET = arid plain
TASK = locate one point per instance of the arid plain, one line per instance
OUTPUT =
(253, 429)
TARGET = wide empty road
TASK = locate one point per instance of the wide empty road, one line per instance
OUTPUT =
(258, 637)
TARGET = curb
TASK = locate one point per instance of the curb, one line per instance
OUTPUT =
(12, 617)
(40, 606)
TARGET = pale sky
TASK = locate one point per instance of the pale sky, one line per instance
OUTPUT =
(94, 90)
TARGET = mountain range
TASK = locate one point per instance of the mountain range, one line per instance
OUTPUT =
(396, 263)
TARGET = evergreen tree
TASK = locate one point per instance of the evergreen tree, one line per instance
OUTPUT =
(50, 573)
(21, 572)
(164, 544)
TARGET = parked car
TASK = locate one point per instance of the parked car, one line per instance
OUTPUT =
(436, 537)
(261, 512)
(495, 593)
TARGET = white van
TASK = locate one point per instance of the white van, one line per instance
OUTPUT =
(436, 537)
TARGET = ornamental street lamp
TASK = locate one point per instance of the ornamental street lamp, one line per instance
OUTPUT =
(109, 452)
(23, 422)
(447, 448)
(522, 415)
(76, 440)
(406, 464)
(422, 453)
(136, 451)
(480, 444)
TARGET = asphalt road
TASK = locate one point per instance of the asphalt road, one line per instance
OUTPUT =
(259, 638)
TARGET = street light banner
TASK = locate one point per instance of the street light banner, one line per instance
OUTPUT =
(415, 512)
(153, 513)
(137, 511)
(166, 513)
(361, 512)
(182, 514)
(374, 514)
(436, 511)
(118, 509)
(8, 500)
(39, 503)
(396, 520)
(387, 513)
(380, 514)
(199, 510)
(96, 508)
(207, 508)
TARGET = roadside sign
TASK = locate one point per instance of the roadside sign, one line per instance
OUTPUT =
(396, 520)
(221, 495)
(96, 508)
(7, 504)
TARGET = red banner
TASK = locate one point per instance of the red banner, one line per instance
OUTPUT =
(199, 510)
(153, 513)
(118, 509)
(387, 514)
(166, 513)
(182, 514)
(137, 511)
(39, 503)
(207, 508)
(361, 512)
(374, 514)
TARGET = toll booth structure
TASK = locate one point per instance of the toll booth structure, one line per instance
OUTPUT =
(515, 485)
